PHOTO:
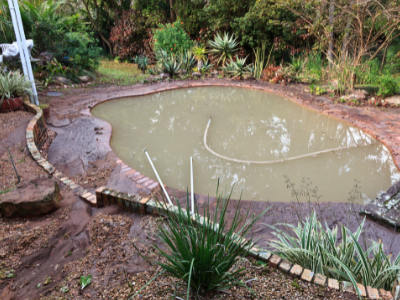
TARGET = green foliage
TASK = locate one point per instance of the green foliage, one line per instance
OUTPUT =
(206, 66)
(85, 281)
(202, 252)
(199, 52)
(7, 34)
(151, 7)
(318, 249)
(82, 50)
(186, 60)
(167, 63)
(223, 47)
(317, 90)
(142, 63)
(296, 66)
(238, 68)
(387, 86)
(171, 38)
(14, 84)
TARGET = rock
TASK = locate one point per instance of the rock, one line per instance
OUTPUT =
(215, 73)
(38, 197)
(183, 72)
(196, 74)
(395, 99)
(354, 96)
(362, 92)
(84, 79)
(62, 80)
(163, 76)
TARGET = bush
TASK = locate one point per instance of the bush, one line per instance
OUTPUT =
(84, 55)
(131, 35)
(317, 248)
(238, 68)
(171, 38)
(203, 251)
(13, 84)
(142, 62)
(387, 86)
(223, 47)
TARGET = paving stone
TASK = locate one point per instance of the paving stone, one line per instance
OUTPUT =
(333, 284)
(320, 279)
(285, 266)
(362, 290)
(274, 261)
(264, 256)
(348, 287)
(372, 293)
(296, 271)
(307, 275)
(385, 295)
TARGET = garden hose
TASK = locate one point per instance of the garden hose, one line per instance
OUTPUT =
(268, 161)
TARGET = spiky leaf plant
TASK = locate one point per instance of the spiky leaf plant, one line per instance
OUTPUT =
(13, 84)
(223, 47)
(167, 63)
(238, 68)
(142, 62)
(202, 250)
(186, 60)
(199, 53)
(317, 248)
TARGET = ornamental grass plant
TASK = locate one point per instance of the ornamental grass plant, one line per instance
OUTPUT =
(203, 251)
(324, 251)
(13, 84)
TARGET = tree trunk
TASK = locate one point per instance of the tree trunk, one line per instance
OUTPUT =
(384, 57)
(172, 10)
(346, 38)
(199, 65)
(331, 22)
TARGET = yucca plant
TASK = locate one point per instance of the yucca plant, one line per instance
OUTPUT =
(142, 62)
(317, 248)
(167, 63)
(206, 66)
(223, 47)
(202, 250)
(199, 53)
(238, 68)
(186, 60)
(13, 84)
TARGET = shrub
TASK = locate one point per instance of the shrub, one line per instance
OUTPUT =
(142, 62)
(203, 251)
(186, 60)
(317, 248)
(84, 55)
(131, 35)
(171, 38)
(223, 47)
(387, 86)
(238, 68)
(167, 63)
(199, 53)
(13, 84)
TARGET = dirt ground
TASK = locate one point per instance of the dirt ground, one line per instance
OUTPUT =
(40, 257)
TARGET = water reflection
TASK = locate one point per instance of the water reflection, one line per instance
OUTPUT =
(246, 125)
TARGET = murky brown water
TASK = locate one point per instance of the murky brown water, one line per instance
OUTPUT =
(246, 125)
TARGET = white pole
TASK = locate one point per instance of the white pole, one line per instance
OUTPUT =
(158, 177)
(23, 50)
(191, 185)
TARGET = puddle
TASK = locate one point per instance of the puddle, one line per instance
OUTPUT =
(246, 125)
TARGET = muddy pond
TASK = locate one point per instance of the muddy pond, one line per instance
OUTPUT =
(255, 141)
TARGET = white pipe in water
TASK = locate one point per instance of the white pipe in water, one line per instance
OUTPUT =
(191, 185)
(158, 177)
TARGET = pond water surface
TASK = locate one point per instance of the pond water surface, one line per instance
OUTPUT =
(246, 125)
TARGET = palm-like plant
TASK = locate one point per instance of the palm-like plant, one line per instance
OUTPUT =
(12, 85)
(199, 53)
(238, 68)
(223, 47)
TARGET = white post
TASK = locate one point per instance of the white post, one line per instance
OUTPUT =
(23, 50)
(158, 177)
(191, 185)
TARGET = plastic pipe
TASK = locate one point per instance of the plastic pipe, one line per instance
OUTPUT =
(191, 185)
(158, 177)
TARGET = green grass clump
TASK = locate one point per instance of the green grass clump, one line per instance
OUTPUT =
(116, 73)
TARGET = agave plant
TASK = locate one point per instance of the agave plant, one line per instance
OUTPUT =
(199, 53)
(223, 47)
(206, 66)
(238, 68)
(142, 62)
(13, 84)
(186, 60)
(170, 65)
(317, 248)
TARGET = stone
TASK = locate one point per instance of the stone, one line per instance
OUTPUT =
(362, 290)
(320, 279)
(163, 76)
(395, 99)
(215, 73)
(307, 275)
(354, 96)
(285, 266)
(296, 271)
(264, 256)
(372, 293)
(274, 261)
(196, 74)
(333, 284)
(385, 295)
(37, 197)
(62, 80)
(84, 79)
(348, 287)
